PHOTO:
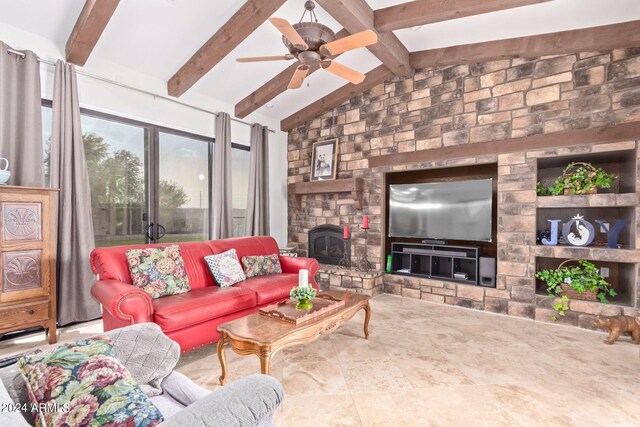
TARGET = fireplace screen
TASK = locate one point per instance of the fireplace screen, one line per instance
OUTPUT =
(327, 245)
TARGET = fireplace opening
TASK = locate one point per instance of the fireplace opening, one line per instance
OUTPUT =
(327, 244)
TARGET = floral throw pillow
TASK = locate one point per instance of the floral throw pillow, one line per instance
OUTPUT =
(158, 271)
(83, 384)
(261, 265)
(225, 268)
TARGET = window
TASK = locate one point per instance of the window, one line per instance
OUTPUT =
(46, 139)
(150, 183)
(240, 186)
(115, 153)
(184, 188)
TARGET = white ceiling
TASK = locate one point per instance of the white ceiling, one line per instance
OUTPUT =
(155, 37)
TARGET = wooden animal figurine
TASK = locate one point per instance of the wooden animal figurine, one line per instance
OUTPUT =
(619, 324)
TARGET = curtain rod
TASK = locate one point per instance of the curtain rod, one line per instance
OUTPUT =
(155, 95)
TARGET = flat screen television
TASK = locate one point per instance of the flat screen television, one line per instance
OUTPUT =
(455, 210)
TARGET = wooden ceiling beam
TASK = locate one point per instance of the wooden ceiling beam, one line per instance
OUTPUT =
(356, 16)
(606, 37)
(268, 91)
(93, 19)
(374, 77)
(244, 22)
(422, 12)
(273, 87)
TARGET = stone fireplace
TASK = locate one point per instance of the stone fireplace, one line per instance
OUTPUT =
(327, 245)
(495, 114)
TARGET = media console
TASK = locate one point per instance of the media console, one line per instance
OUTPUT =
(445, 262)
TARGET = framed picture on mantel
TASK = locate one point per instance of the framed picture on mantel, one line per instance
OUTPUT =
(324, 160)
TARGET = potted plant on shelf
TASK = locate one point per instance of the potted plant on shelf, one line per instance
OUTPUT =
(582, 281)
(578, 178)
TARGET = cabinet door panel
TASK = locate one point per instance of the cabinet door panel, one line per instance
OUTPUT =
(22, 275)
(21, 222)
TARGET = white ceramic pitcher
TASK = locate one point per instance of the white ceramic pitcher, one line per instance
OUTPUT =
(5, 173)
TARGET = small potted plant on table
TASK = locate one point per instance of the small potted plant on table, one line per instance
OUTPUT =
(585, 179)
(582, 281)
(303, 295)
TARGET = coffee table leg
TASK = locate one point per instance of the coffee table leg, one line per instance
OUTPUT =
(223, 362)
(265, 360)
(367, 317)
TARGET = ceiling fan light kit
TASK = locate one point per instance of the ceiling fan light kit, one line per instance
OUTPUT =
(315, 45)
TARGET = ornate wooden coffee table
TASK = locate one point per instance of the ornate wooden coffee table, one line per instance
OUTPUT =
(264, 337)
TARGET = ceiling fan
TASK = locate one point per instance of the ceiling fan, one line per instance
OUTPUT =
(315, 45)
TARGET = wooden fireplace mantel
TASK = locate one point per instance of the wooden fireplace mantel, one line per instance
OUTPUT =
(355, 186)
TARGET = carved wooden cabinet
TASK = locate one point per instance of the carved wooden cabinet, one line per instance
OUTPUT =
(28, 259)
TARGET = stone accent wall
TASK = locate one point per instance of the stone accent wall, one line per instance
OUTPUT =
(340, 279)
(467, 104)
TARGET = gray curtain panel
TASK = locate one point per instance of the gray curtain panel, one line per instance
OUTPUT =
(222, 217)
(75, 228)
(257, 223)
(21, 117)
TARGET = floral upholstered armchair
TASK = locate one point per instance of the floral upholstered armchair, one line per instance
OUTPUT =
(149, 356)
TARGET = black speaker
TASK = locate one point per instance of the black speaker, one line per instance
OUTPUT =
(487, 272)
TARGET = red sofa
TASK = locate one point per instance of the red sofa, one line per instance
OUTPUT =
(191, 319)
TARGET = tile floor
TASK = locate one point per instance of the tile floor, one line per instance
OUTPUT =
(433, 365)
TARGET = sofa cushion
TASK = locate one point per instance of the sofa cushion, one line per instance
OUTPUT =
(261, 265)
(158, 271)
(200, 305)
(226, 268)
(272, 288)
(246, 246)
(89, 383)
(110, 263)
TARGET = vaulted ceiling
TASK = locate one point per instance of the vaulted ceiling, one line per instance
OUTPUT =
(158, 37)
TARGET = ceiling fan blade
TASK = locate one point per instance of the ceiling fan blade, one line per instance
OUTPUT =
(286, 57)
(343, 71)
(289, 32)
(354, 41)
(298, 77)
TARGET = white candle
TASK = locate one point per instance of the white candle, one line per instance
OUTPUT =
(303, 278)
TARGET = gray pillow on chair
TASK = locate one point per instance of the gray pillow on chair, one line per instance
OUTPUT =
(147, 353)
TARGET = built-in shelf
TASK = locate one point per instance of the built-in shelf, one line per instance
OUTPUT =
(609, 214)
(620, 202)
(440, 262)
(622, 163)
(590, 201)
(622, 276)
(355, 186)
(588, 253)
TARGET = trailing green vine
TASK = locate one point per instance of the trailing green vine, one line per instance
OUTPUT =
(582, 278)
